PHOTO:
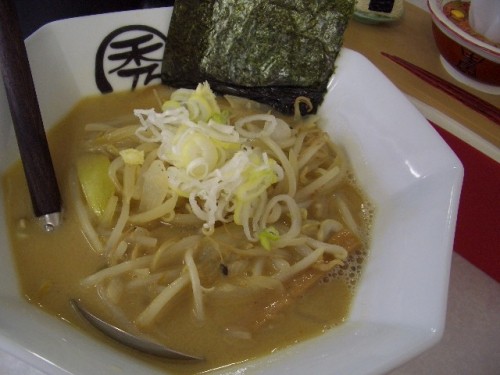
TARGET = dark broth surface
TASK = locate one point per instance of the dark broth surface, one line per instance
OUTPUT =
(51, 266)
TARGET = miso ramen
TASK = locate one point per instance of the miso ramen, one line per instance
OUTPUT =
(210, 224)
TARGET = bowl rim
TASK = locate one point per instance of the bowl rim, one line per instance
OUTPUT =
(410, 330)
(453, 31)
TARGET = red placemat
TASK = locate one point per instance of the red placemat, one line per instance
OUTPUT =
(477, 236)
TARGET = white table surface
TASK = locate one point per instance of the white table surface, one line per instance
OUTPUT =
(471, 341)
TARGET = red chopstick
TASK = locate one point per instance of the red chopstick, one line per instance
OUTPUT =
(472, 101)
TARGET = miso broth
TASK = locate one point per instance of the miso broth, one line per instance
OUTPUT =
(51, 266)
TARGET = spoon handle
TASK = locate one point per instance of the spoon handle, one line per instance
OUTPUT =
(25, 112)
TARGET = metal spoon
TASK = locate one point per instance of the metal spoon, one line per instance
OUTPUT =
(127, 339)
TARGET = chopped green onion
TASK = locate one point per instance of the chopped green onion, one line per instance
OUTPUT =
(170, 104)
(132, 156)
(268, 236)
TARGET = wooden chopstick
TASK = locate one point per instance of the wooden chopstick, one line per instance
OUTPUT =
(25, 112)
(470, 100)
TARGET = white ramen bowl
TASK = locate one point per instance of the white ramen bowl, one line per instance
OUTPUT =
(409, 172)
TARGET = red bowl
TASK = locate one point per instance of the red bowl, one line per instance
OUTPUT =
(469, 55)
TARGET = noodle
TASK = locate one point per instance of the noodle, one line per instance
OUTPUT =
(346, 214)
(221, 200)
(115, 270)
(287, 272)
(116, 164)
(84, 218)
(150, 313)
(128, 185)
(295, 216)
(195, 284)
(154, 213)
(319, 183)
(287, 166)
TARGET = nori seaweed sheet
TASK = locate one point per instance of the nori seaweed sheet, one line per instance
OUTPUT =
(271, 51)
